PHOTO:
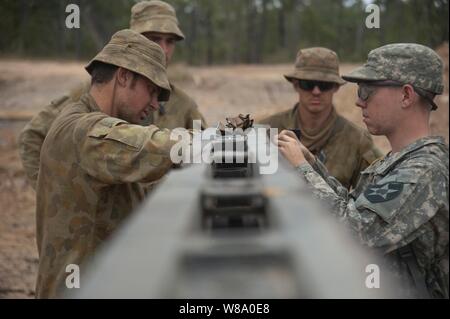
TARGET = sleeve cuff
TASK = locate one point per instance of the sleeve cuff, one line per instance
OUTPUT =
(304, 168)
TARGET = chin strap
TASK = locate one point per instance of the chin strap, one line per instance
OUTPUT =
(114, 95)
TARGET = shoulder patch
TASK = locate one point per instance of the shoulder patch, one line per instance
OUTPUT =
(384, 192)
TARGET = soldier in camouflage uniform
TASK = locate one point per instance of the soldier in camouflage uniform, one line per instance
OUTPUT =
(94, 157)
(158, 22)
(400, 205)
(343, 147)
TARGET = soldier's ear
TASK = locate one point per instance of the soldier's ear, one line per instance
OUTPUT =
(123, 77)
(408, 96)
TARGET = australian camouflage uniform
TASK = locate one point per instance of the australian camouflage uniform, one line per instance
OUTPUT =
(92, 165)
(179, 111)
(342, 146)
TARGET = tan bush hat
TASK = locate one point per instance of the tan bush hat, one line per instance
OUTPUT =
(155, 16)
(132, 51)
(317, 64)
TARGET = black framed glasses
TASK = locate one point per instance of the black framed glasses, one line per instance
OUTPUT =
(365, 90)
(309, 85)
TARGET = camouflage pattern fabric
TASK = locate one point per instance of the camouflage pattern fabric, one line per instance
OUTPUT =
(90, 169)
(400, 200)
(407, 63)
(179, 111)
(132, 51)
(316, 64)
(155, 16)
(347, 152)
(34, 133)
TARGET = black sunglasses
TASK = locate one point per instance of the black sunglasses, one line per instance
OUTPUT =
(308, 85)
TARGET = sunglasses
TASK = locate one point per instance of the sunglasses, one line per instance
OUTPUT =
(308, 85)
(365, 90)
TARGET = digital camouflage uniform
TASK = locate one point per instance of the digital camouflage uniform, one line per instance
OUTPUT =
(400, 205)
(180, 111)
(91, 165)
(343, 147)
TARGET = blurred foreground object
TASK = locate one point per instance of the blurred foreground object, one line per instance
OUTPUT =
(225, 231)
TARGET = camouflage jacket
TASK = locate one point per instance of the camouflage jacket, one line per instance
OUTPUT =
(347, 152)
(179, 111)
(400, 200)
(88, 183)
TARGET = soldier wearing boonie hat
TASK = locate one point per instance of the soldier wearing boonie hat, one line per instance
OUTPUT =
(93, 161)
(157, 21)
(155, 16)
(316, 64)
(329, 136)
(129, 50)
(400, 204)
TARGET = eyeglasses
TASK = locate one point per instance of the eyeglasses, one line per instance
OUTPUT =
(365, 90)
(308, 85)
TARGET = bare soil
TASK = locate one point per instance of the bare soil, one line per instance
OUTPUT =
(27, 86)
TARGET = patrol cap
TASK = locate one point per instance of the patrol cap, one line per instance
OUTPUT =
(317, 64)
(406, 63)
(155, 16)
(132, 51)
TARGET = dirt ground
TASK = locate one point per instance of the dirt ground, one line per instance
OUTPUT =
(26, 86)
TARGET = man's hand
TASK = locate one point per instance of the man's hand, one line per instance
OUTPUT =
(294, 151)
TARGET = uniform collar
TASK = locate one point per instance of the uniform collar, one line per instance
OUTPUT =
(384, 165)
(90, 103)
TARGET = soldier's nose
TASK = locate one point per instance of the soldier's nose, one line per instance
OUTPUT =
(360, 103)
(316, 90)
(164, 46)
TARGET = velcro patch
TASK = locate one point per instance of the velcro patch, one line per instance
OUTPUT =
(384, 192)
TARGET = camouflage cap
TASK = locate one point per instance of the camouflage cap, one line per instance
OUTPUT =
(318, 64)
(407, 63)
(155, 16)
(132, 51)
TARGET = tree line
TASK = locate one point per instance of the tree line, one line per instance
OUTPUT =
(226, 31)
